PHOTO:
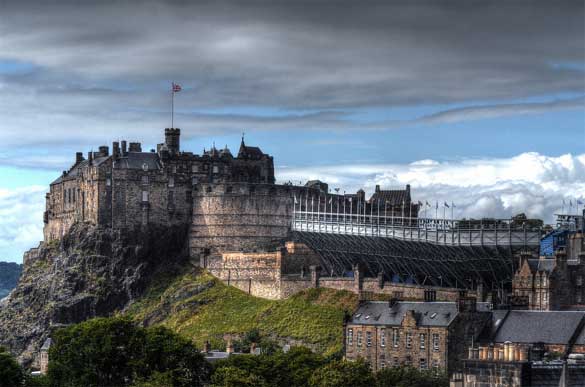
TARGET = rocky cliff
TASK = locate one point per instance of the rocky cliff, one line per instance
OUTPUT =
(90, 272)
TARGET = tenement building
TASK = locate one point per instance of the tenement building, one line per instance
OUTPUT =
(420, 334)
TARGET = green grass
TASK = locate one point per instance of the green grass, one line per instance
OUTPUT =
(201, 307)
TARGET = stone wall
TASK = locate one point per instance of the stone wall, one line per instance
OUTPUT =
(239, 217)
(496, 374)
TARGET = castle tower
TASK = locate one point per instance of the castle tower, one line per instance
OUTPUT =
(173, 140)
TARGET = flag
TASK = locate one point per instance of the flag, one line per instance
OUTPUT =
(427, 203)
(420, 203)
(176, 87)
(330, 200)
(579, 202)
(452, 205)
(446, 205)
(296, 199)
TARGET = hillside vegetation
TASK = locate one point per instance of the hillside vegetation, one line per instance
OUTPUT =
(201, 307)
(9, 274)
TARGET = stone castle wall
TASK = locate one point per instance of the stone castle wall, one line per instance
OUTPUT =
(239, 217)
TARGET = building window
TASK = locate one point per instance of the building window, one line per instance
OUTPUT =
(368, 339)
(382, 362)
(430, 295)
(579, 281)
(195, 168)
(350, 337)
(382, 338)
(194, 181)
(108, 182)
(395, 337)
(396, 362)
(144, 180)
(579, 298)
(435, 342)
(145, 196)
(423, 339)
(171, 198)
(435, 363)
(359, 339)
(215, 169)
(171, 181)
(423, 364)
(408, 340)
(74, 194)
(174, 169)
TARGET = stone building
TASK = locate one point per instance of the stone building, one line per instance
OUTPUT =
(44, 356)
(550, 283)
(527, 348)
(130, 187)
(420, 334)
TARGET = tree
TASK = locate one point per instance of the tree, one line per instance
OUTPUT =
(343, 373)
(410, 377)
(229, 376)
(11, 374)
(114, 352)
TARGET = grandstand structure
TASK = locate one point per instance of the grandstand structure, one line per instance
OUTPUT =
(405, 248)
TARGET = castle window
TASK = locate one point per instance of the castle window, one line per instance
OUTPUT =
(382, 362)
(423, 339)
(359, 339)
(395, 337)
(171, 181)
(195, 168)
(144, 196)
(368, 339)
(350, 337)
(423, 364)
(74, 195)
(188, 197)
(108, 182)
(229, 189)
(579, 281)
(174, 169)
(215, 169)
(396, 361)
(171, 199)
(436, 342)
(408, 340)
(144, 179)
(430, 295)
(194, 181)
(382, 338)
(208, 189)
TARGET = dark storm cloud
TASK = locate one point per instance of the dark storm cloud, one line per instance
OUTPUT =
(108, 65)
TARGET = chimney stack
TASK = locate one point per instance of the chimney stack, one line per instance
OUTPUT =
(135, 147)
(104, 151)
(78, 157)
(377, 188)
(124, 152)
(116, 149)
(230, 347)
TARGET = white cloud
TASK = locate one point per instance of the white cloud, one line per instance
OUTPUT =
(21, 220)
(530, 182)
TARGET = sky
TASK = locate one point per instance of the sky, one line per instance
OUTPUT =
(476, 103)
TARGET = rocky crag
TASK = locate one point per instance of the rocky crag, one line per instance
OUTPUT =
(91, 272)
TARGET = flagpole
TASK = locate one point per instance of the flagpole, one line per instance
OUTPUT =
(173, 104)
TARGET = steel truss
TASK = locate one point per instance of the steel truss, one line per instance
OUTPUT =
(422, 263)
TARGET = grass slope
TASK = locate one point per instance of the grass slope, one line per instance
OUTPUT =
(201, 307)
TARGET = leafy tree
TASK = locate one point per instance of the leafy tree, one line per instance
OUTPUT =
(11, 374)
(410, 377)
(230, 376)
(343, 373)
(114, 352)
(292, 369)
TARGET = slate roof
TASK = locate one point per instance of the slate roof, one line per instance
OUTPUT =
(392, 197)
(546, 265)
(581, 338)
(136, 160)
(74, 171)
(47, 344)
(550, 327)
(439, 314)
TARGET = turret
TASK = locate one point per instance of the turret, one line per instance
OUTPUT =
(173, 140)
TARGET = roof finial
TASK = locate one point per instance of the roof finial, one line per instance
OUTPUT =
(243, 135)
